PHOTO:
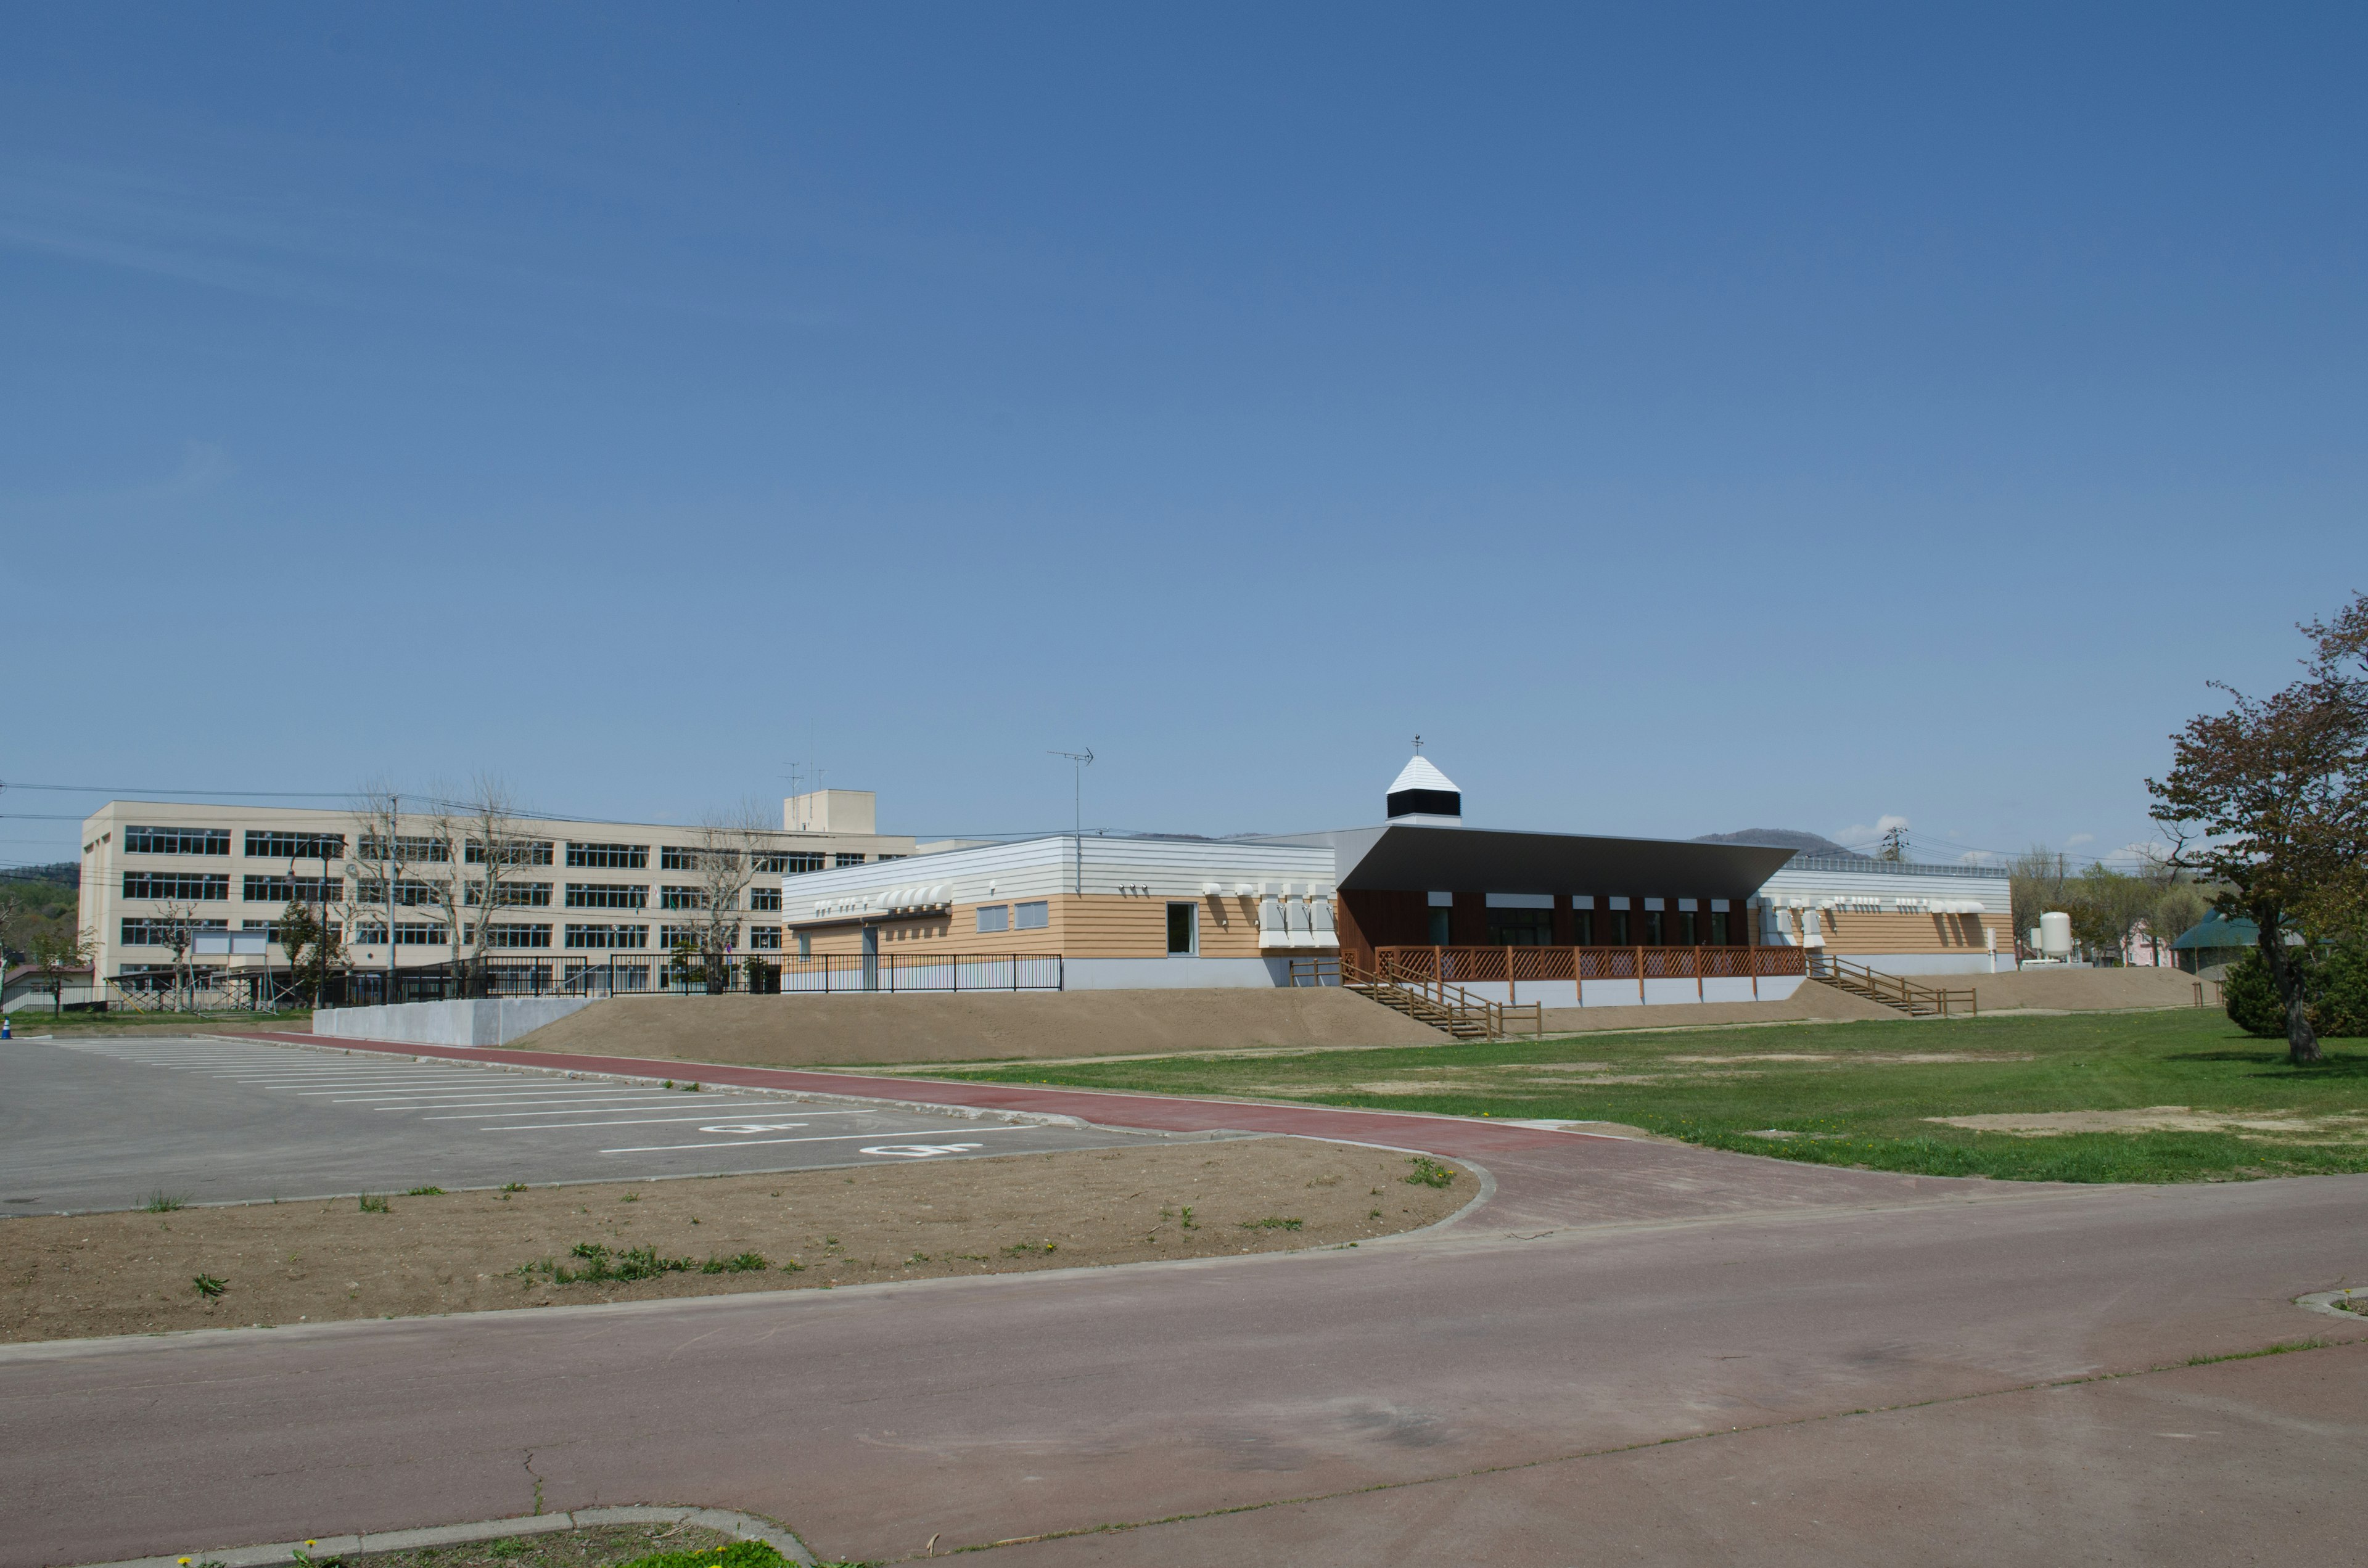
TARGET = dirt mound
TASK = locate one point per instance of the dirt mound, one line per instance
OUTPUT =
(849, 1031)
(2073, 990)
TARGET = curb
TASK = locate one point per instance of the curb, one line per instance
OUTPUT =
(2329, 1302)
(742, 1526)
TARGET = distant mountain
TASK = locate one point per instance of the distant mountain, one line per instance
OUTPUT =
(1785, 838)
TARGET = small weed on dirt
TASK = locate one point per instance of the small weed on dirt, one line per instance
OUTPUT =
(1272, 1222)
(209, 1287)
(162, 1202)
(1429, 1172)
(424, 1192)
(1021, 1249)
(373, 1203)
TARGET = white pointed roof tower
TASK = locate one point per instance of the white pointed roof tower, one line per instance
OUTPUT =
(1421, 796)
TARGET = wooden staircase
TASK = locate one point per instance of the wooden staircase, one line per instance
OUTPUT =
(1448, 1008)
(1891, 990)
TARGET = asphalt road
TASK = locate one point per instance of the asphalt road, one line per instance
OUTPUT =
(1634, 1353)
(101, 1123)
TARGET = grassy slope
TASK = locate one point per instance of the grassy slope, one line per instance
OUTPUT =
(1861, 1108)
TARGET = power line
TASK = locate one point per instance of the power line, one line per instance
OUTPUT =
(149, 790)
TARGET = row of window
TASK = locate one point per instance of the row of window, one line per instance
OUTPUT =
(272, 844)
(1033, 916)
(146, 933)
(160, 933)
(1619, 928)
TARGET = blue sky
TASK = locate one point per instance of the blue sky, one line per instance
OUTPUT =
(1686, 419)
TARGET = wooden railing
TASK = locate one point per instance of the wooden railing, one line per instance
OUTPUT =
(1426, 999)
(1510, 965)
(1891, 990)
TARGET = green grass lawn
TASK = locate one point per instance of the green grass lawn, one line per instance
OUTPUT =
(1856, 1094)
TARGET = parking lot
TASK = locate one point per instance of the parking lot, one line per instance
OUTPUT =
(99, 1123)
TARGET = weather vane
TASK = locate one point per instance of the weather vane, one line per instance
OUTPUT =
(1417, 744)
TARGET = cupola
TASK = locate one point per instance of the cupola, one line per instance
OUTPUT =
(1422, 796)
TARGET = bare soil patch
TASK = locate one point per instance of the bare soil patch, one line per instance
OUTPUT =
(2342, 1127)
(71, 1276)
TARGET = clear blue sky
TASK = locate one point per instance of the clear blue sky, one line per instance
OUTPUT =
(1687, 418)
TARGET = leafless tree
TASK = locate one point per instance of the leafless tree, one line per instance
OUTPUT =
(388, 849)
(721, 853)
(488, 849)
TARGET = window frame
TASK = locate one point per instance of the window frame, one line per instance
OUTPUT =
(1192, 913)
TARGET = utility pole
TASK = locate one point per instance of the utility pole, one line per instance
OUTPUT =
(1894, 844)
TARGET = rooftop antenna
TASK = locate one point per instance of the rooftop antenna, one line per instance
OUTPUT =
(1079, 761)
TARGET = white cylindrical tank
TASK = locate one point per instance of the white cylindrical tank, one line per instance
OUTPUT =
(2056, 934)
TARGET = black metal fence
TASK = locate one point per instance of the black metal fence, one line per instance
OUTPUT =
(669, 974)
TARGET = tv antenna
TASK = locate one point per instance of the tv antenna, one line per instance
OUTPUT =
(1079, 761)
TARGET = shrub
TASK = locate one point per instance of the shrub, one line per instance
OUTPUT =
(2334, 989)
(2342, 1006)
(2251, 997)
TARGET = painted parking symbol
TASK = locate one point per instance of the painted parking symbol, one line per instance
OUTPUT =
(922, 1151)
(754, 1127)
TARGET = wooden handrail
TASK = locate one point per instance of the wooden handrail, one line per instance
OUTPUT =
(1897, 989)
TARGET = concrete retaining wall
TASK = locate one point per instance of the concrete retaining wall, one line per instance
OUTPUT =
(492, 1022)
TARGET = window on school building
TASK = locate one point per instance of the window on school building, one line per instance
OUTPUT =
(1033, 916)
(159, 933)
(790, 864)
(176, 840)
(509, 896)
(303, 890)
(765, 937)
(515, 935)
(1181, 928)
(1520, 927)
(682, 898)
(994, 917)
(606, 895)
(406, 848)
(847, 859)
(188, 887)
(271, 844)
(416, 934)
(617, 857)
(607, 935)
(511, 852)
(764, 898)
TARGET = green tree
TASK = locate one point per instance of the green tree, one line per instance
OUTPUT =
(57, 951)
(2270, 799)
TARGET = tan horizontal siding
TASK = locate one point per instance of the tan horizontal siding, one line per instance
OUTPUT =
(1847, 933)
(1091, 926)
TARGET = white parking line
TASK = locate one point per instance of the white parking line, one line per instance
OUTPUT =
(480, 1095)
(752, 1142)
(649, 1121)
(594, 1110)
